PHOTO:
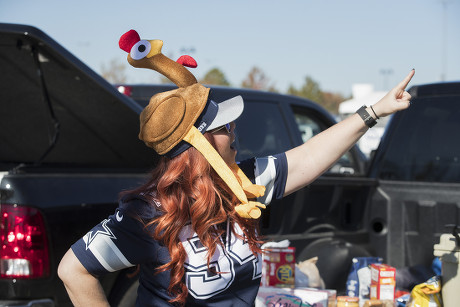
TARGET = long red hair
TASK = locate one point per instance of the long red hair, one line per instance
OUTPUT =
(190, 191)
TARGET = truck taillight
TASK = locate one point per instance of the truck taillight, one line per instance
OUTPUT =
(24, 245)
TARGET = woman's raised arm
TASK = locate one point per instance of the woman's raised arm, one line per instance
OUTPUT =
(308, 161)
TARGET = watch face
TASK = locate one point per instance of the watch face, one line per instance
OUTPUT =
(370, 121)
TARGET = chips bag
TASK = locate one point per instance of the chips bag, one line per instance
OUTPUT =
(427, 294)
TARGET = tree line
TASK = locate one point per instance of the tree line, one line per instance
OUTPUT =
(255, 79)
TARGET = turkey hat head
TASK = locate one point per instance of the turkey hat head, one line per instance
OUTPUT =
(175, 120)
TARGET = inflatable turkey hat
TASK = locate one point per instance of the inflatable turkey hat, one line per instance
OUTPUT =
(175, 120)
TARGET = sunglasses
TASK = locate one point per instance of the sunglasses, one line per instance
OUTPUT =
(226, 126)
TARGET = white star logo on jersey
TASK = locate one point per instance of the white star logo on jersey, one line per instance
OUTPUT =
(89, 237)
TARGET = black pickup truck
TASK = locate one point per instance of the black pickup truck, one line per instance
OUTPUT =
(69, 146)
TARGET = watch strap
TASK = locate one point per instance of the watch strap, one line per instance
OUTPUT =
(367, 118)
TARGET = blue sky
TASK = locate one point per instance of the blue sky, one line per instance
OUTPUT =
(337, 42)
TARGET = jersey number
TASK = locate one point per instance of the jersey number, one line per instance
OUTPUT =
(203, 283)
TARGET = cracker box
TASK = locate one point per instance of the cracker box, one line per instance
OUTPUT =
(278, 267)
(383, 281)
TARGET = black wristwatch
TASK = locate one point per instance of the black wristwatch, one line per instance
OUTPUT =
(367, 118)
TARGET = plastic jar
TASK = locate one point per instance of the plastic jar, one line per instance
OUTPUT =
(347, 301)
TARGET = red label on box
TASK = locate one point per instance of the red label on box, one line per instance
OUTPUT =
(278, 267)
(383, 281)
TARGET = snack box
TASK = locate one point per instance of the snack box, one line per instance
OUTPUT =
(278, 267)
(383, 281)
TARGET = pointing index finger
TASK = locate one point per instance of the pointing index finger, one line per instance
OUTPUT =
(405, 82)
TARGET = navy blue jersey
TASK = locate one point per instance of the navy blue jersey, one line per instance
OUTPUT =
(122, 241)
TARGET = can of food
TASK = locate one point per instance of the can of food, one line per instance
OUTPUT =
(347, 301)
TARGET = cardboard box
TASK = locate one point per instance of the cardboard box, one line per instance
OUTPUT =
(278, 267)
(383, 281)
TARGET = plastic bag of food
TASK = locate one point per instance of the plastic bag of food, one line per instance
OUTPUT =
(307, 274)
(427, 294)
(359, 278)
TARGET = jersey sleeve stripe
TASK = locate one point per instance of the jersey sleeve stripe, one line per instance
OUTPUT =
(265, 174)
(108, 254)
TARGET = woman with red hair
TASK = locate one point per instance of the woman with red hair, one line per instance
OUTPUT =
(192, 227)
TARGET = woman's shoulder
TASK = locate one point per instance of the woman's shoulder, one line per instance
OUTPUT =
(141, 205)
(255, 166)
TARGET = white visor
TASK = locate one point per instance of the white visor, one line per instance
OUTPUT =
(229, 110)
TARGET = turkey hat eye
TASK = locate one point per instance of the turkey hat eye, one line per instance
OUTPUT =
(140, 50)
